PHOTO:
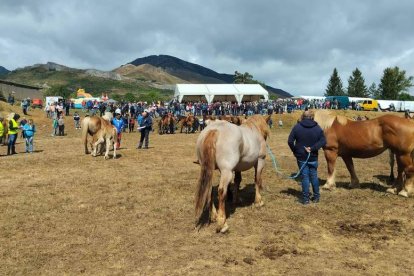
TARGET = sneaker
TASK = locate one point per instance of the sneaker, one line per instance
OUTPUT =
(315, 200)
(305, 202)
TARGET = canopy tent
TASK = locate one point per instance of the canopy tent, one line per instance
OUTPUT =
(220, 92)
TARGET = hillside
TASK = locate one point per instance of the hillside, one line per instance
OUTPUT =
(193, 73)
(145, 72)
(3, 71)
(93, 81)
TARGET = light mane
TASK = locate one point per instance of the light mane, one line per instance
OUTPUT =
(259, 122)
(108, 116)
(325, 118)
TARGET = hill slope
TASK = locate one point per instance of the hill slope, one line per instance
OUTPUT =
(193, 73)
(3, 71)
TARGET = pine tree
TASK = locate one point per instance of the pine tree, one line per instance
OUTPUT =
(356, 85)
(334, 87)
(393, 83)
(373, 91)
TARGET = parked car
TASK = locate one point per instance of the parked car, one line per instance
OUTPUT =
(369, 105)
(37, 103)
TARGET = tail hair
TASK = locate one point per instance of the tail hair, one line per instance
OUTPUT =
(85, 123)
(205, 181)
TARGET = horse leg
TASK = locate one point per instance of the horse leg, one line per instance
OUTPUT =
(330, 157)
(258, 202)
(225, 178)
(404, 162)
(237, 181)
(108, 146)
(95, 146)
(392, 161)
(350, 166)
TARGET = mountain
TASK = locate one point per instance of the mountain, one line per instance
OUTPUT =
(191, 72)
(3, 71)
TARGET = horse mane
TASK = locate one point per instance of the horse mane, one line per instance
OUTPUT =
(259, 122)
(325, 118)
(108, 116)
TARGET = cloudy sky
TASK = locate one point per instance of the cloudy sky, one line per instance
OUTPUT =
(293, 45)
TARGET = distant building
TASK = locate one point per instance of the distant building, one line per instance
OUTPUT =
(22, 91)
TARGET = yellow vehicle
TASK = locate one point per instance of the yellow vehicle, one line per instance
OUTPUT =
(369, 105)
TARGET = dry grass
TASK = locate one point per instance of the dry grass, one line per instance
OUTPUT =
(63, 212)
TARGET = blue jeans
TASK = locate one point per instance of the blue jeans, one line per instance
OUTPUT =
(29, 144)
(309, 174)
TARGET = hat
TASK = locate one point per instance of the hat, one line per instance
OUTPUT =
(146, 110)
(118, 111)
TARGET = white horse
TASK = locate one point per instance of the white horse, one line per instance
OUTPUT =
(227, 147)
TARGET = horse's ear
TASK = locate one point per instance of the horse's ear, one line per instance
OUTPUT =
(268, 118)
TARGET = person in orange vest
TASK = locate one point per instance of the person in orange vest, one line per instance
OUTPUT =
(13, 128)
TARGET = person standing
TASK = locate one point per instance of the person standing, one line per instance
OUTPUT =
(305, 139)
(61, 123)
(145, 128)
(13, 128)
(76, 119)
(118, 123)
(29, 129)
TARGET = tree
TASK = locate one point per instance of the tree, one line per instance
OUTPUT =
(243, 78)
(356, 85)
(60, 90)
(334, 87)
(393, 83)
(373, 91)
(129, 97)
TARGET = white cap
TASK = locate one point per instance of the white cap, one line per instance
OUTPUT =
(118, 111)
(146, 110)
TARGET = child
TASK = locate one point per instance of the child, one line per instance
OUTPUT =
(131, 124)
(55, 126)
(118, 123)
(29, 129)
(76, 119)
(61, 124)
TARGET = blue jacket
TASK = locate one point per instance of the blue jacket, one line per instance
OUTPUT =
(29, 130)
(306, 133)
(118, 124)
(147, 122)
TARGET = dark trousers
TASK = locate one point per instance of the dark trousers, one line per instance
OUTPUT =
(144, 136)
(62, 130)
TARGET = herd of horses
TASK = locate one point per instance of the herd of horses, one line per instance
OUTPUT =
(233, 144)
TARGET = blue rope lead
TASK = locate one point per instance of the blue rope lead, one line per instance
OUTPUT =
(276, 167)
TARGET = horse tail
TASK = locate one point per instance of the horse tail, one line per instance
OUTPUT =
(205, 181)
(85, 126)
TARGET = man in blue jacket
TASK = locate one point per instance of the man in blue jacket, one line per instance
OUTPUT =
(305, 139)
(145, 128)
(118, 123)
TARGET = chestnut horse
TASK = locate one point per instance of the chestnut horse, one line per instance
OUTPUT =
(166, 124)
(365, 139)
(106, 134)
(227, 147)
(187, 123)
(91, 125)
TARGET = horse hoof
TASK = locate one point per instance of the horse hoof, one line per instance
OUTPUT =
(223, 229)
(403, 193)
(392, 191)
(328, 187)
(258, 204)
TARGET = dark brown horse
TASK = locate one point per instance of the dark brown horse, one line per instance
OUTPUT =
(365, 139)
(167, 124)
(187, 123)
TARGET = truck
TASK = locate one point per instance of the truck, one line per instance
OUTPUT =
(343, 101)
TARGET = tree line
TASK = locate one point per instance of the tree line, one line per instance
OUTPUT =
(394, 85)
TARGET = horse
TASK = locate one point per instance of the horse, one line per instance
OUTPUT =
(91, 125)
(166, 124)
(188, 123)
(108, 134)
(365, 139)
(231, 119)
(227, 147)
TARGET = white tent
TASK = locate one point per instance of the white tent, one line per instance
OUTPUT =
(220, 92)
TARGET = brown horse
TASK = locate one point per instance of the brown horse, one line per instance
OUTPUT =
(365, 139)
(91, 125)
(187, 123)
(167, 124)
(227, 147)
(231, 119)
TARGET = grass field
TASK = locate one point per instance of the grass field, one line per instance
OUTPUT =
(64, 212)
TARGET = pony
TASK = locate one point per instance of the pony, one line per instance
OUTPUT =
(91, 125)
(227, 147)
(365, 139)
(166, 124)
(107, 133)
(187, 123)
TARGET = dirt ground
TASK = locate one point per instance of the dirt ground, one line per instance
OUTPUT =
(64, 212)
